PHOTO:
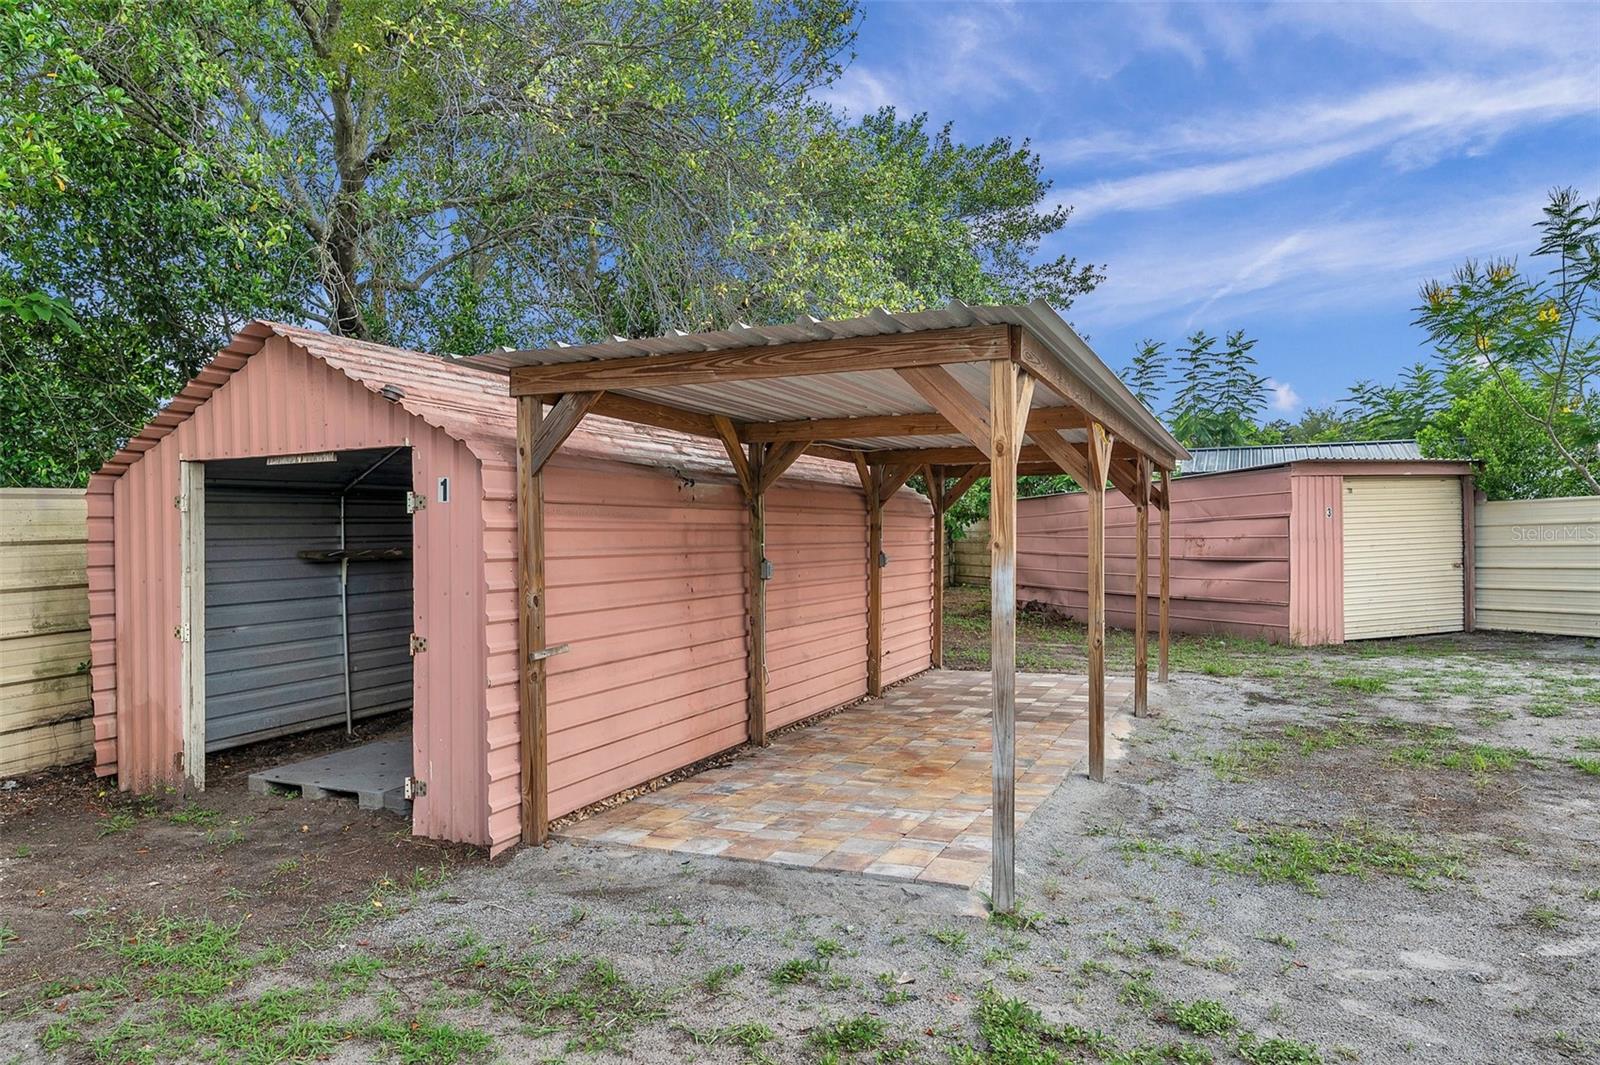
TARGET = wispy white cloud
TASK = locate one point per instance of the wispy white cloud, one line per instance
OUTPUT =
(1410, 124)
(1371, 261)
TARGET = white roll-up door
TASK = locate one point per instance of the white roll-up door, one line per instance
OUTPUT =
(1402, 556)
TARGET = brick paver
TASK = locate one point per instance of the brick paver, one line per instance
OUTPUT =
(895, 787)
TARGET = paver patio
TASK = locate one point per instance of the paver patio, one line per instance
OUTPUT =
(895, 787)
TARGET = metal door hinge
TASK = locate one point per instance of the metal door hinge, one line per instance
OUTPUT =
(181, 632)
(181, 502)
(415, 787)
(416, 501)
(419, 644)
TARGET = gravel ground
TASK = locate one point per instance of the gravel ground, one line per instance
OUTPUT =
(1380, 854)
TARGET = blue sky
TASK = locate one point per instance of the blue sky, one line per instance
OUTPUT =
(1292, 170)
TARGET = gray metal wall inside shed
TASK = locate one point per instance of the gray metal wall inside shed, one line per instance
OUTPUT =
(273, 653)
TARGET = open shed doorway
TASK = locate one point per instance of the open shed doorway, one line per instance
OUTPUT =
(301, 617)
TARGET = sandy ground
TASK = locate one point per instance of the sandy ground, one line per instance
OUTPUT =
(1296, 842)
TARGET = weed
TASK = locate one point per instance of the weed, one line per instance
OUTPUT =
(1245, 759)
(1281, 940)
(751, 1036)
(954, 938)
(192, 814)
(1587, 766)
(1204, 1016)
(1546, 917)
(1017, 920)
(1546, 708)
(1583, 743)
(1276, 1051)
(850, 1036)
(797, 971)
(715, 981)
(1138, 991)
(118, 822)
(675, 919)
(1371, 685)
(827, 948)
(7, 935)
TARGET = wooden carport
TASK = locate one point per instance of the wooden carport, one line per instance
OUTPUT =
(953, 394)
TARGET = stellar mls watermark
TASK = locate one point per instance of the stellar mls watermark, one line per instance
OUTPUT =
(1555, 534)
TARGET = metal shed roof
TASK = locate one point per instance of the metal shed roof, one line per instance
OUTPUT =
(1229, 459)
(851, 394)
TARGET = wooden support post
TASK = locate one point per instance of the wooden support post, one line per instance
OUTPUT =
(531, 707)
(874, 588)
(936, 633)
(1005, 391)
(1099, 453)
(1163, 623)
(756, 717)
(1141, 592)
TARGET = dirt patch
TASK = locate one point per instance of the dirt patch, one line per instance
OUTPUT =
(77, 852)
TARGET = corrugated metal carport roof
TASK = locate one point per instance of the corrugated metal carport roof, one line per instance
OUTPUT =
(850, 394)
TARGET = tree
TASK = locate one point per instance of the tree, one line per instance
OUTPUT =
(1515, 454)
(1220, 394)
(1316, 425)
(1398, 411)
(1532, 340)
(1146, 374)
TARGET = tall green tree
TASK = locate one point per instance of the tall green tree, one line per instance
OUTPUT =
(1531, 340)
(1146, 375)
(459, 174)
(1220, 393)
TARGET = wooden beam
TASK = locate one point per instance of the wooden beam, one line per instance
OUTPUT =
(935, 478)
(967, 479)
(1099, 460)
(890, 351)
(891, 479)
(532, 722)
(1054, 374)
(741, 466)
(1141, 592)
(934, 424)
(1063, 454)
(1005, 387)
(1163, 617)
(947, 456)
(778, 458)
(945, 394)
(660, 415)
(756, 710)
(863, 471)
(874, 587)
(554, 430)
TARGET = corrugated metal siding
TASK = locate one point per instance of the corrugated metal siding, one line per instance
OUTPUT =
(1230, 459)
(816, 600)
(1403, 573)
(1230, 554)
(644, 578)
(45, 714)
(1538, 565)
(274, 656)
(907, 586)
(1316, 558)
(284, 403)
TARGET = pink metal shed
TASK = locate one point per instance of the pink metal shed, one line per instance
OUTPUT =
(1262, 551)
(645, 574)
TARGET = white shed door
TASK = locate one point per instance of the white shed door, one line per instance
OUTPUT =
(1402, 556)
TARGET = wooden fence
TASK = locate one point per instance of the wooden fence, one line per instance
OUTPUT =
(969, 557)
(1537, 566)
(45, 716)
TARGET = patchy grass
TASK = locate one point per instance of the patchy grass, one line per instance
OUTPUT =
(1587, 766)
(1204, 1016)
(1369, 685)
(1012, 1032)
(1276, 1051)
(1296, 856)
(850, 1036)
(716, 981)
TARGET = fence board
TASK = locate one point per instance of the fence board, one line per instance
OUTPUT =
(44, 630)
